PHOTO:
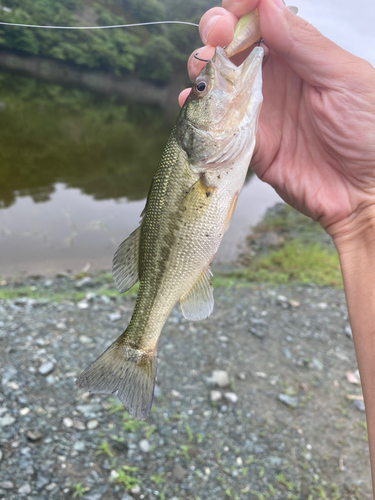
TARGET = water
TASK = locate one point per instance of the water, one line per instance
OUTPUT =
(75, 168)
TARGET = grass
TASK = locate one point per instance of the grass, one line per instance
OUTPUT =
(79, 490)
(126, 479)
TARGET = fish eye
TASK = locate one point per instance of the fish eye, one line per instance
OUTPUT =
(200, 88)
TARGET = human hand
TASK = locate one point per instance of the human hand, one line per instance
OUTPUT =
(316, 136)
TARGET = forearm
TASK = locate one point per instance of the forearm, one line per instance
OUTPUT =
(355, 242)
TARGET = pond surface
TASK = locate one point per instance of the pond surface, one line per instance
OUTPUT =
(75, 167)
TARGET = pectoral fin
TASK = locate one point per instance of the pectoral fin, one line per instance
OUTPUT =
(199, 302)
(125, 262)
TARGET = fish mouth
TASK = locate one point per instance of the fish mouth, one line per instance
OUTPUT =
(230, 75)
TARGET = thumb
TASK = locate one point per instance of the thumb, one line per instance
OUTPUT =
(315, 58)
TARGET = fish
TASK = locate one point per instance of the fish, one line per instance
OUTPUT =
(189, 207)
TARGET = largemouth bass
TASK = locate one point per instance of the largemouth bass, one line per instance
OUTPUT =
(189, 208)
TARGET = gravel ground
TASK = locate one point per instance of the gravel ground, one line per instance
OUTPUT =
(261, 400)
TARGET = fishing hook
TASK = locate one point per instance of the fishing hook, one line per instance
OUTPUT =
(199, 59)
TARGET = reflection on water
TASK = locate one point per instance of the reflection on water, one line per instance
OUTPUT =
(75, 169)
(100, 145)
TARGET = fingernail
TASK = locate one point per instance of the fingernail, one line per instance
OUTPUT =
(208, 27)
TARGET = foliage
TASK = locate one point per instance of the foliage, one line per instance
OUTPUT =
(147, 52)
(296, 262)
(79, 490)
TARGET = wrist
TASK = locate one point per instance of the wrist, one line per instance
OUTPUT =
(356, 233)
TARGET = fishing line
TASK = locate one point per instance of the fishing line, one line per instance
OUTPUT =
(96, 27)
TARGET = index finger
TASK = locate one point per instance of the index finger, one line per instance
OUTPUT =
(240, 7)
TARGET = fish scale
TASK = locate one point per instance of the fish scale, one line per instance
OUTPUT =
(188, 210)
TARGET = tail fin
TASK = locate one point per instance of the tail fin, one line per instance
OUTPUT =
(130, 372)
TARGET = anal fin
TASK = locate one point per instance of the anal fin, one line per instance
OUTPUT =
(199, 302)
(125, 370)
(125, 262)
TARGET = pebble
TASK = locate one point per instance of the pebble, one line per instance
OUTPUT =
(24, 490)
(220, 377)
(96, 493)
(179, 472)
(175, 394)
(41, 481)
(144, 445)
(106, 300)
(79, 446)
(7, 420)
(136, 490)
(115, 316)
(6, 485)
(68, 422)
(88, 410)
(282, 301)
(84, 339)
(86, 281)
(157, 391)
(231, 397)
(215, 396)
(92, 424)
(48, 283)
(294, 303)
(9, 373)
(241, 375)
(256, 332)
(126, 497)
(82, 304)
(34, 436)
(80, 426)
(360, 405)
(288, 400)
(286, 353)
(46, 368)
(318, 365)
(348, 332)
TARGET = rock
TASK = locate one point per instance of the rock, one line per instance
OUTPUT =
(348, 332)
(84, 339)
(294, 303)
(82, 304)
(6, 485)
(96, 493)
(256, 332)
(68, 422)
(282, 301)
(34, 436)
(352, 378)
(48, 283)
(84, 282)
(318, 365)
(288, 400)
(144, 445)
(42, 342)
(286, 353)
(175, 394)
(322, 305)
(24, 490)
(360, 405)
(220, 378)
(92, 424)
(157, 391)
(46, 368)
(7, 420)
(136, 490)
(241, 375)
(105, 299)
(179, 472)
(41, 481)
(215, 396)
(261, 374)
(51, 379)
(80, 426)
(127, 497)
(79, 446)
(9, 373)
(115, 316)
(89, 410)
(231, 397)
